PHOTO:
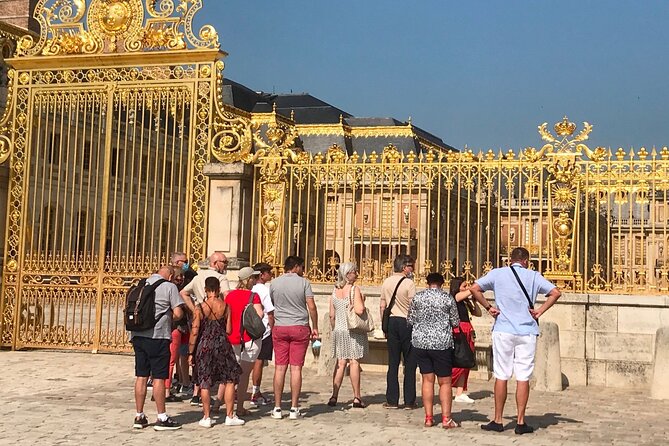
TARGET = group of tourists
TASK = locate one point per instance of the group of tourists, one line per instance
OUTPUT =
(201, 324)
(200, 319)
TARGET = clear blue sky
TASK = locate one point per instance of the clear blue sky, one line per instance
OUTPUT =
(480, 73)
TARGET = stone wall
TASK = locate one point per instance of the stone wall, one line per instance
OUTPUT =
(609, 340)
(19, 13)
(605, 340)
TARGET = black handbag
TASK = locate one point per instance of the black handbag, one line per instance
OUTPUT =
(385, 320)
(463, 356)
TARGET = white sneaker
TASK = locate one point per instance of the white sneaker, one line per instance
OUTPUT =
(205, 422)
(463, 398)
(234, 421)
(276, 413)
(294, 413)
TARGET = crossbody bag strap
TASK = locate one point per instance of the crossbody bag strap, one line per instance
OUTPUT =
(241, 321)
(394, 298)
(527, 296)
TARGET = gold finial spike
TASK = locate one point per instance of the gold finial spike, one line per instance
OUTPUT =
(341, 118)
(274, 107)
(409, 122)
(292, 115)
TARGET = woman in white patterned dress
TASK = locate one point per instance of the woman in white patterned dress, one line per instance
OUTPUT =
(348, 347)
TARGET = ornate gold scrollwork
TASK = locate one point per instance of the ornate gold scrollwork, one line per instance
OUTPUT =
(232, 135)
(5, 140)
(275, 143)
(70, 27)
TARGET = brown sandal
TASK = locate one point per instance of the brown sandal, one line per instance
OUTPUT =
(332, 402)
(358, 404)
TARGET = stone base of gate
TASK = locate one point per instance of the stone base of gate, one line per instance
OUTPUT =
(230, 209)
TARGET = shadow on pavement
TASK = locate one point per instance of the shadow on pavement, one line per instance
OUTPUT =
(481, 394)
(469, 415)
(548, 419)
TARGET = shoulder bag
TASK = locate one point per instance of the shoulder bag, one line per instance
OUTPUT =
(358, 323)
(251, 323)
(386, 313)
(463, 356)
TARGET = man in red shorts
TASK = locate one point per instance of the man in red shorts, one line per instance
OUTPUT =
(293, 307)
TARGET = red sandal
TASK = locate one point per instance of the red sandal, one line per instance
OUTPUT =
(429, 421)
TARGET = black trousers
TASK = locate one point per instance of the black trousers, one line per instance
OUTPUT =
(399, 346)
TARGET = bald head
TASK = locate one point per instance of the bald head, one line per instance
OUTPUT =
(166, 272)
(218, 261)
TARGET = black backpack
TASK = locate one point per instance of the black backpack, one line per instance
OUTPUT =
(140, 306)
(251, 322)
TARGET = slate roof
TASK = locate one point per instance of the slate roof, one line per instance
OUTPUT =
(308, 109)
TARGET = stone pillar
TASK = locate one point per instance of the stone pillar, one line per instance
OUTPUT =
(547, 368)
(230, 211)
(659, 386)
(326, 361)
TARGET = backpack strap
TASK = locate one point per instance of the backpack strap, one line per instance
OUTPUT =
(152, 289)
(241, 320)
(527, 296)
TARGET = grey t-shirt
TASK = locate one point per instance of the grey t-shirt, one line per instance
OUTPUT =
(289, 294)
(167, 298)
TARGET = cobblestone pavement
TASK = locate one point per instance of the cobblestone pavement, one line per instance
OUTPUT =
(84, 399)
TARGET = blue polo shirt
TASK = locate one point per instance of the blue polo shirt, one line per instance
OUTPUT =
(515, 317)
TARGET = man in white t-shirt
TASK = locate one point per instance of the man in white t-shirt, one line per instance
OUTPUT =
(262, 289)
(194, 294)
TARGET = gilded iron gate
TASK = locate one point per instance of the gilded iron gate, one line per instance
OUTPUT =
(112, 116)
(593, 220)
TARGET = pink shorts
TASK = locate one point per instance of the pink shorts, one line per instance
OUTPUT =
(290, 344)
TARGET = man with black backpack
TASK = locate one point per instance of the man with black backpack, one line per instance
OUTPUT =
(150, 309)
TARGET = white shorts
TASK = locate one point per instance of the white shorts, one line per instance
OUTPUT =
(250, 353)
(513, 354)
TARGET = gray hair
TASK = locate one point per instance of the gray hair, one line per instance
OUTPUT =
(344, 269)
(401, 261)
(176, 255)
